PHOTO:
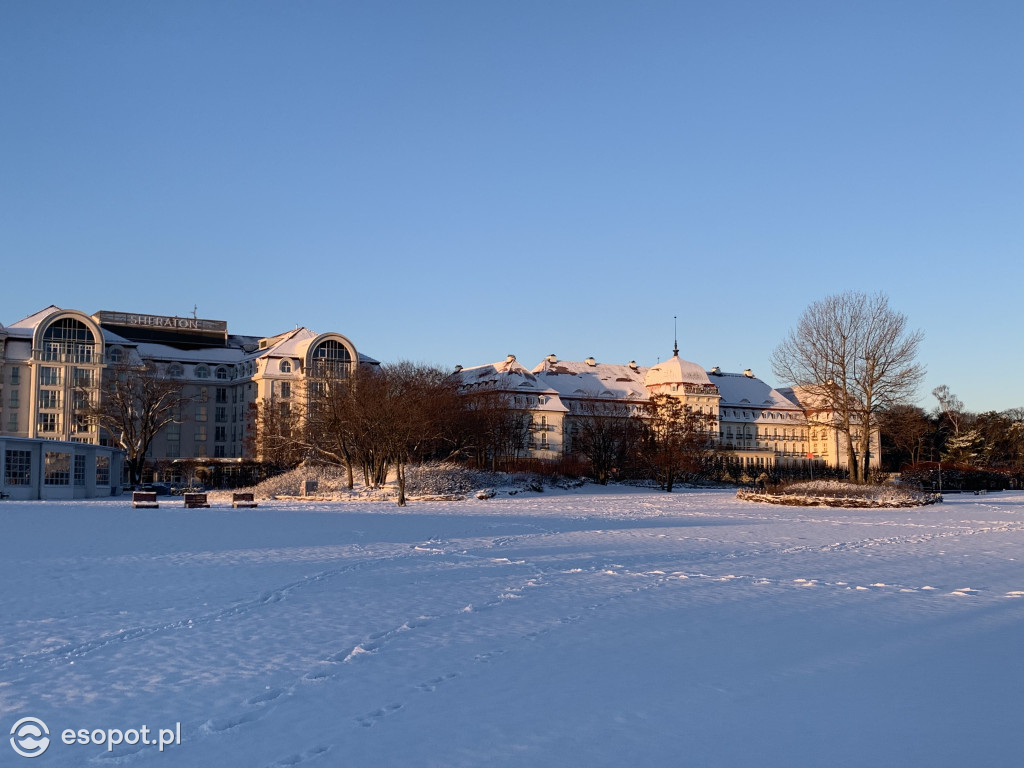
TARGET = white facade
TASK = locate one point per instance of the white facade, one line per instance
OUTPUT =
(54, 360)
(754, 423)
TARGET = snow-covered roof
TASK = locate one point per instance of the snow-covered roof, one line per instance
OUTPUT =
(33, 320)
(739, 390)
(290, 344)
(507, 375)
(805, 398)
(675, 370)
(224, 355)
(590, 379)
(109, 337)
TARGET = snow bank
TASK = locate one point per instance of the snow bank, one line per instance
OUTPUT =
(832, 493)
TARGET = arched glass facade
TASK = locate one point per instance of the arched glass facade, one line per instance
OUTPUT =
(70, 341)
(331, 357)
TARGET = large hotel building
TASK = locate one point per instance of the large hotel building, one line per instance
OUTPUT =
(755, 424)
(53, 363)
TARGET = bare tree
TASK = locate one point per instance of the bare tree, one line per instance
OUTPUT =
(605, 432)
(137, 400)
(852, 356)
(492, 430)
(905, 430)
(678, 443)
(278, 435)
(420, 403)
(331, 417)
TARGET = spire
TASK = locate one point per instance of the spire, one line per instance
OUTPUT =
(675, 335)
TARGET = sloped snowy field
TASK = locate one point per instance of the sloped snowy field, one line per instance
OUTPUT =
(589, 628)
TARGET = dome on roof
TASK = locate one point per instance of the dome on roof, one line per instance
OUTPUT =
(675, 370)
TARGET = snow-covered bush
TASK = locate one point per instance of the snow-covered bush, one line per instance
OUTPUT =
(833, 493)
(330, 481)
(444, 479)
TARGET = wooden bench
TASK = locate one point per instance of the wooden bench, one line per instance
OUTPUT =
(242, 500)
(196, 501)
(144, 500)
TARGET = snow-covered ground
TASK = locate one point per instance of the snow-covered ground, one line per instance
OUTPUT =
(571, 628)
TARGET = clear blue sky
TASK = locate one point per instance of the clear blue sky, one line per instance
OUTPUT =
(451, 182)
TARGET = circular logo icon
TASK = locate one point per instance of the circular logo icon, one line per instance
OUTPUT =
(30, 737)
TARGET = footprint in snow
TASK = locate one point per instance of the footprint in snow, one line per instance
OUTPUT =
(297, 759)
(265, 697)
(432, 684)
(368, 721)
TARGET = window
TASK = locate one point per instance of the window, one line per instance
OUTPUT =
(202, 371)
(173, 449)
(201, 451)
(221, 395)
(82, 377)
(68, 340)
(47, 422)
(201, 433)
(220, 434)
(12, 422)
(115, 355)
(18, 468)
(331, 357)
(174, 431)
(286, 366)
(49, 376)
(14, 398)
(200, 413)
(49, 398)
(79, 400)
(175, 370)
(102, 470)
(221, 414)
(15, 375)
(219, 452)
(203, 395)
(286, 389)
(222, 373)
(56, 468)
(79, 470)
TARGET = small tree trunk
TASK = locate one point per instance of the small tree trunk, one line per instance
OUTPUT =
(400, 476)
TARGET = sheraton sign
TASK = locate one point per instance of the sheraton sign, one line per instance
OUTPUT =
(162, 322)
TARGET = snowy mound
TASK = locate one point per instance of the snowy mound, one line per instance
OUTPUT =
(832, 493)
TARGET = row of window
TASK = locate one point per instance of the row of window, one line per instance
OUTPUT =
(58, 468)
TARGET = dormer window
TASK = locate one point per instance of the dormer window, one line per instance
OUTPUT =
(286, 366)
(222, 373)
(202, 371)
